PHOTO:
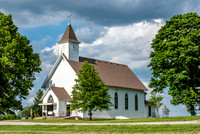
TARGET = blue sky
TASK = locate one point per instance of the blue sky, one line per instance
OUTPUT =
(114, 30)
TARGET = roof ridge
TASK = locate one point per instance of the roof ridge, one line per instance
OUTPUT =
(102, 61)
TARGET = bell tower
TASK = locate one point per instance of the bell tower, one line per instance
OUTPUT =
(69, 45)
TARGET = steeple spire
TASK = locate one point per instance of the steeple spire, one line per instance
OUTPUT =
(69, 36)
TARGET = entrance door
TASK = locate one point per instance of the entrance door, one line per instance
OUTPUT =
(68, 108)
(149, 110)
(49, 110)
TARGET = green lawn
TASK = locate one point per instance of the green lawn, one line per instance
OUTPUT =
(193, 129)
(186, 118)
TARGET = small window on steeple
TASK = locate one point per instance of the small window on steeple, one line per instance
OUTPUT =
(73, 46)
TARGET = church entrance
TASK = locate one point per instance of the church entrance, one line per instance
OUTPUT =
(49, 110)
(68, 112)
(149, 111)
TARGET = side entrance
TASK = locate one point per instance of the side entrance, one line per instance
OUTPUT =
(49, 110)
(67, 110)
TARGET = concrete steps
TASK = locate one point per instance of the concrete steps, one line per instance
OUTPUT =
(60, 117)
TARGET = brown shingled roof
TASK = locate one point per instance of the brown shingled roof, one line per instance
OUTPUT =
(61, 93)
(69, 35)
(113, 74)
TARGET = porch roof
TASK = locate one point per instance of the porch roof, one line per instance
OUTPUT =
(61, 93)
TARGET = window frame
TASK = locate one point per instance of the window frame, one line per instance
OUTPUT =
(116, 100)
(50, 99)
(126, 101)
(136, 102)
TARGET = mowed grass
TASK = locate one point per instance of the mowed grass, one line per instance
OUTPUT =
(193, 129)
(185, 118)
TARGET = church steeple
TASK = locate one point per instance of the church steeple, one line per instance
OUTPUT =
(69, 45)
(69, 36)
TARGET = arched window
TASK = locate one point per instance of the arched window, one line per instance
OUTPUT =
(116, 100)
(126, 101)
(136, 102)
(50, 100)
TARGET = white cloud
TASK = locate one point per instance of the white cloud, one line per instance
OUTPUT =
(30, 100)
(149, 90)
(46, 66)
(38, 44)
(90, 33)
(32, 91)
(124, 44)
(54, 49)
(159, 21)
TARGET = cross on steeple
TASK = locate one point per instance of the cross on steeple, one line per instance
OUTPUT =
(69, 18)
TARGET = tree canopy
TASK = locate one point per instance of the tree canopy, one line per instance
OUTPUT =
(89, 93)
(175, 60)
(18, 65)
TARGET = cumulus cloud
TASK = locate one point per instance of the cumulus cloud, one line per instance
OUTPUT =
(149, 90)
(39, 44)
(54, 49)
(48, 56)
(30, 100)
(32, 92)
(89, 34)
(124, 44)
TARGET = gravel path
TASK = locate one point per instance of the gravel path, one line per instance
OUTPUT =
(140, 123)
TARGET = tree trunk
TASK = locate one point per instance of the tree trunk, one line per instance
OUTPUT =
(192, 110)
(90, 114)
(157, 112)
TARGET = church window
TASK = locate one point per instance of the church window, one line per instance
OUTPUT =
(50, 100)
(136, 102)
(116, 100)
(126, 101)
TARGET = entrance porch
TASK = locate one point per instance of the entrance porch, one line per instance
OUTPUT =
(51, 109)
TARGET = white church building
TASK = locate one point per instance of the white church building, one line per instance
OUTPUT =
(125, 88)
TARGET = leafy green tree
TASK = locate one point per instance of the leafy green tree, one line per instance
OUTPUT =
(155, 101)
(175, 60)
(36, 108)
(89, 93)
(26, 112)
(165, 111)
(18, 65)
